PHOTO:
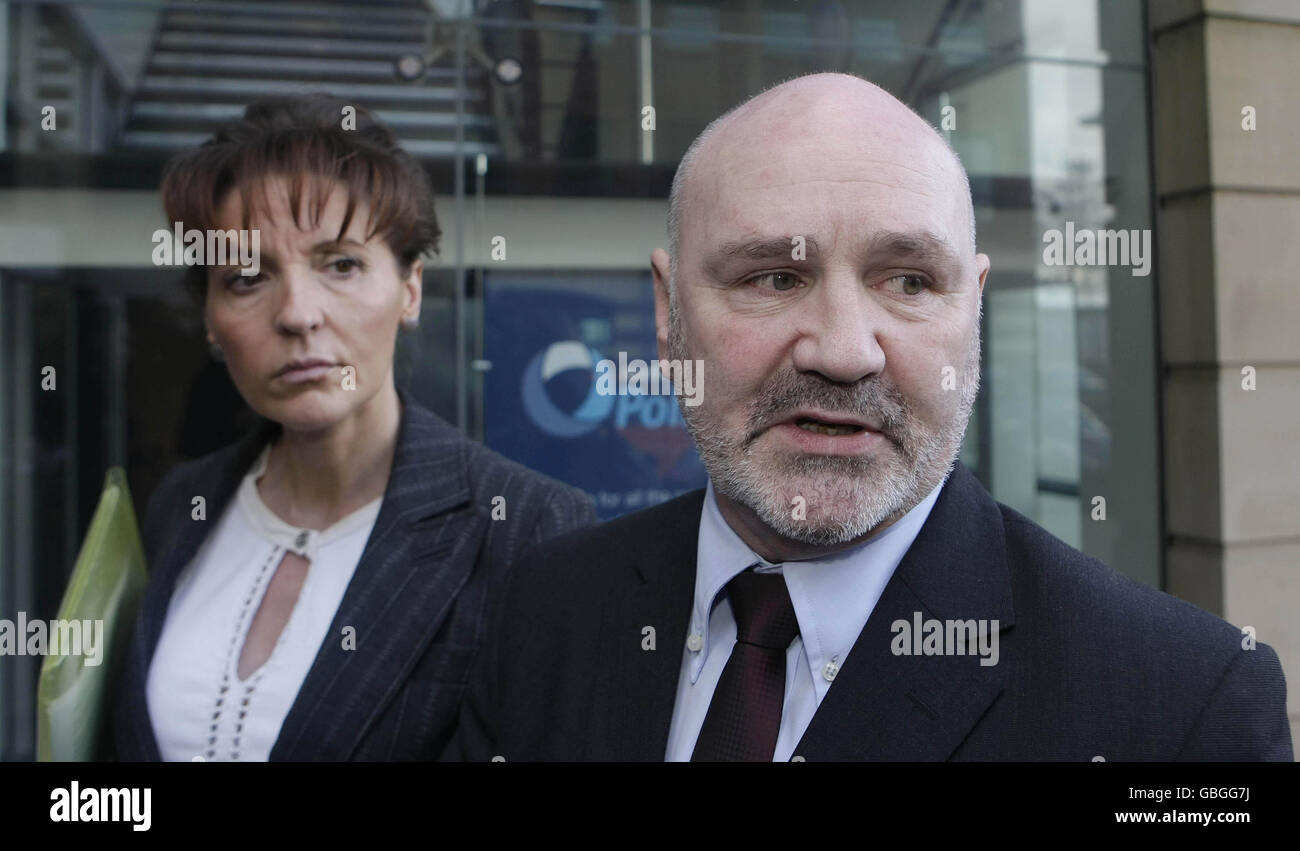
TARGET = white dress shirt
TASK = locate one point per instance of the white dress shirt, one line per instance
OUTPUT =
(833, 598)
(199, 707)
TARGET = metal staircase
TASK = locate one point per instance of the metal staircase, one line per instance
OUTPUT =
(56, 86)
(211, 59)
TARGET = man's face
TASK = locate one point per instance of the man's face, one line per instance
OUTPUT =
(840, 377)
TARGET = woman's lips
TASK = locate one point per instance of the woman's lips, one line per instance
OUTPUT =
(304, 374)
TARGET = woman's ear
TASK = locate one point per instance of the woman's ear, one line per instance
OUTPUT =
(413, 290)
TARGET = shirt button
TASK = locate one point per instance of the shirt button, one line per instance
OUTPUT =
(301, 540)
(829, 672)
(695, 642)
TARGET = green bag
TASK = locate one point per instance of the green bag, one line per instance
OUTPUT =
(106, 586)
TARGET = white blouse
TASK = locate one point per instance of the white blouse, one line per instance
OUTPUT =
(200, 709)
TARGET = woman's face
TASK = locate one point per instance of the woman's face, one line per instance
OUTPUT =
(309, 339)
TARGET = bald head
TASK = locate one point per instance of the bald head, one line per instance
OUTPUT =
(825, 271)
(806, 116)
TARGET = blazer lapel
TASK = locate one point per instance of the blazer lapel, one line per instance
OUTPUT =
(181, 536)
(920, 708)
(631, 717)
(419, 555)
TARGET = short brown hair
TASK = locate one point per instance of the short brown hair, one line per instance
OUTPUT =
(302, 137)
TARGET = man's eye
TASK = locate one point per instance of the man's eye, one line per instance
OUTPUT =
(908, 284)
(780, 281)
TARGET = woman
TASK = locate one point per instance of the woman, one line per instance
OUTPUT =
(318, 590)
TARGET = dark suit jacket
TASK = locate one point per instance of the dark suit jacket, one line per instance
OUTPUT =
(433, 563)
(1092, 664)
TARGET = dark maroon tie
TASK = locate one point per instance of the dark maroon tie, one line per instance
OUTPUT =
(744, 716)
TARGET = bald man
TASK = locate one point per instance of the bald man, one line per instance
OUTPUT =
(844, 589)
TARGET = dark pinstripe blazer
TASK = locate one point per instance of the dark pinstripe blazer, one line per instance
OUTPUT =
(432, 566)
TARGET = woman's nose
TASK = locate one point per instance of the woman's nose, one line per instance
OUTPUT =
(300, 309)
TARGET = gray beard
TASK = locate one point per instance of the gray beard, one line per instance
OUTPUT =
(844, 498)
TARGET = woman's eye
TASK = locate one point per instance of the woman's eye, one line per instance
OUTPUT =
(241, 283)
(909, 284)
(781, 281)
(345, 265)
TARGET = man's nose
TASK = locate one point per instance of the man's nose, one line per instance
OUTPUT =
(300, 308)
(839, 325)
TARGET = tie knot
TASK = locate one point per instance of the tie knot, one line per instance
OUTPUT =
(763, 611)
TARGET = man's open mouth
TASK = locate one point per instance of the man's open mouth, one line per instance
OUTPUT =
(820, 427)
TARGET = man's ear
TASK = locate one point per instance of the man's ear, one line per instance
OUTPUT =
(661, 267)
(982, 265)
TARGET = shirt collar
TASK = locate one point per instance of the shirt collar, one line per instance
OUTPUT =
(833, 596)
(304, 542)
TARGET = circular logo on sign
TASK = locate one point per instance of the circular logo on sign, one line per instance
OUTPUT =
(559, 390)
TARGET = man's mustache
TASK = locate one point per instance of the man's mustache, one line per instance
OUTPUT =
(869, 399)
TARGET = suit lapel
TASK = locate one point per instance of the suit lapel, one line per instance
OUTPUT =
(631, 718)
(920, 708)
(882, 706)
(419, 555)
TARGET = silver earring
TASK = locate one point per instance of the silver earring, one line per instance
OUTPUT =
(410, 323)
(215, 351)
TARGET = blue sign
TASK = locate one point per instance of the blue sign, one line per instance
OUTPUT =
(544, 334)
